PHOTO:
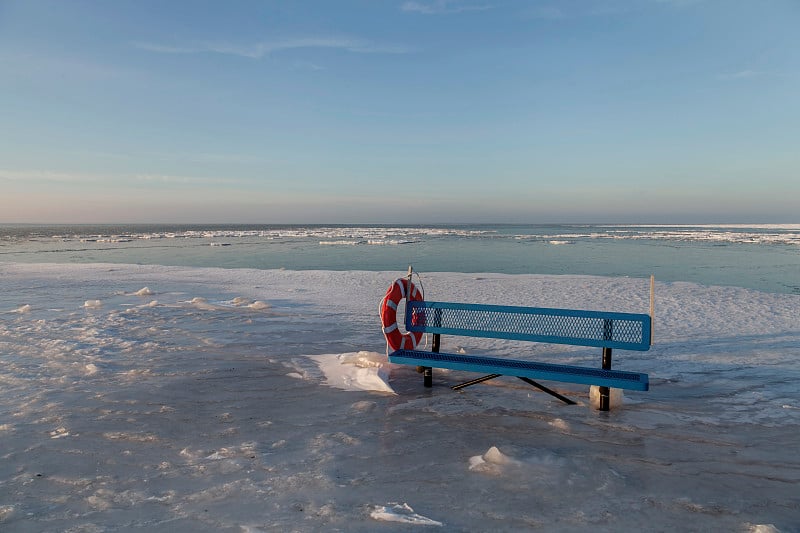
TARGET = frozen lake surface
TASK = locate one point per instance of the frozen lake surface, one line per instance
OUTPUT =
(205, 399)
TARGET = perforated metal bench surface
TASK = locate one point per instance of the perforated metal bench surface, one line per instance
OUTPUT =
(627, 331)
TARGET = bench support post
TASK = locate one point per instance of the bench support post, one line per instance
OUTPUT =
(427, 372)
(605, 392)
(608, 334)
(527, 380)
(475, 381)
(551, 392)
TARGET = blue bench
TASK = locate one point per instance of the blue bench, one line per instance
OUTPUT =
(606, 330)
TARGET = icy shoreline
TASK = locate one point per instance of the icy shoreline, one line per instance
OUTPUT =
(225, 400)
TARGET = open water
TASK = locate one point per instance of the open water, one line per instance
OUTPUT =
(761, 257)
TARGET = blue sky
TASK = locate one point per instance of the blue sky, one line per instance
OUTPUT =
(400, 111)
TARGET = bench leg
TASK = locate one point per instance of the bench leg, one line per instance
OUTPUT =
(551, 392)
(605, 393)
(427, 372)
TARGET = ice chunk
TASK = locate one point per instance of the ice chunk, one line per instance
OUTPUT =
(6, 511)
(763, 528)
(59, 433)
(201, 303)
(355, 371)
(615, 397)
(491, 462)
(401, 512)
(493, 455)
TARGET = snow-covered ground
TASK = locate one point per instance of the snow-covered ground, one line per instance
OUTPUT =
(201, 399)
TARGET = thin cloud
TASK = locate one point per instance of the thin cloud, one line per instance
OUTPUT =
(179, 180)
(740, 75)
(48, 176)
(165, 49)
(441, 7)
(306, 65)
(75, 178)
(262, 49)
(623, 7)
(679, 3)
(546, 13)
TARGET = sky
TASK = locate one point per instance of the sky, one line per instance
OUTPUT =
(400, 111)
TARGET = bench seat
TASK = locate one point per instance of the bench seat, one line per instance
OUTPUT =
(530, 369)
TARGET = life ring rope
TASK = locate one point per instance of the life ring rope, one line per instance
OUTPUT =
(399, 290)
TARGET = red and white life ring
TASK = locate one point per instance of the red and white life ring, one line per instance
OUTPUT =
(399, 290)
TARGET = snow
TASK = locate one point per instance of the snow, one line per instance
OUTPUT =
(368, 371)
(401, 512)
(261, 400)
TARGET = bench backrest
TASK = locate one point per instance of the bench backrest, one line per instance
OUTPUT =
(627, 331)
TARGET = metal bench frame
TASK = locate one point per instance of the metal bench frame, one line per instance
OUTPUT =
(606, 330)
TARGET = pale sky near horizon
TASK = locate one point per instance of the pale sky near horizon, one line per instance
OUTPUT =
(661, 111)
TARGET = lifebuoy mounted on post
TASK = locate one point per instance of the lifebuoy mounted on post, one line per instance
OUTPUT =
(400, 289)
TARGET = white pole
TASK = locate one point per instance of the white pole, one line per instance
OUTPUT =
(408, 292)
(652, 305)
